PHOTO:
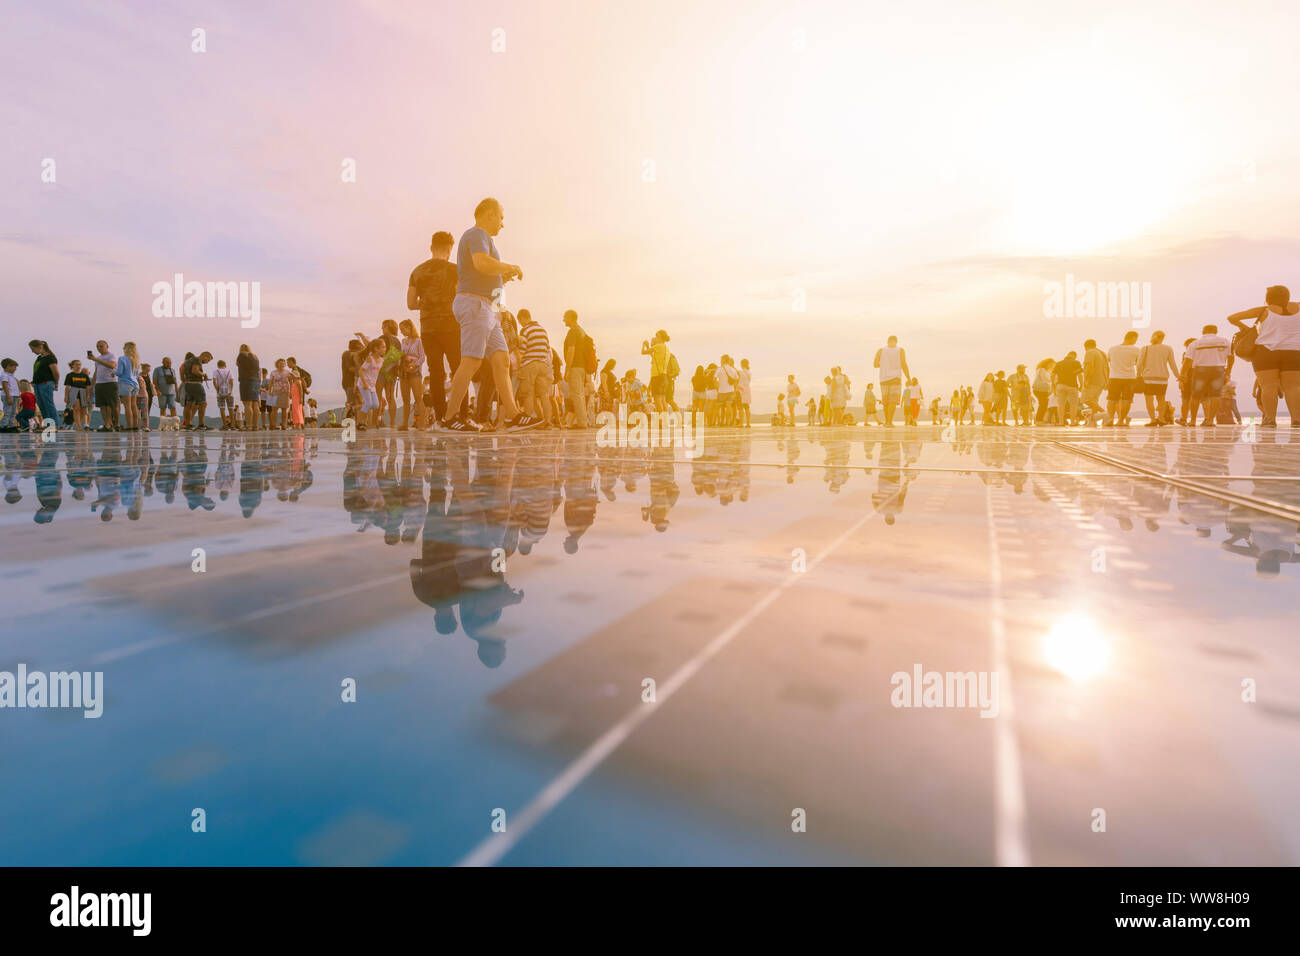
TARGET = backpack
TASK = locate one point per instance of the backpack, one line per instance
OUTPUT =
(673, 368)
(591, 364)
(1243, 343)
(306, 377)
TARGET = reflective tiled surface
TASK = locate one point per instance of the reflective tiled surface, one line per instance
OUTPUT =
(500, 602)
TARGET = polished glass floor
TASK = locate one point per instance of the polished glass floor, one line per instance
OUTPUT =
(502, 604)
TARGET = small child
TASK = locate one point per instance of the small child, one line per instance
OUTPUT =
(779, 417)
(9, 393)
(311, 412)
(367, 378)
(27, 398)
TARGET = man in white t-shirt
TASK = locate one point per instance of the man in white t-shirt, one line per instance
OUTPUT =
(1123, 360)
(1211, 363)
(746, 392)
(105, 386)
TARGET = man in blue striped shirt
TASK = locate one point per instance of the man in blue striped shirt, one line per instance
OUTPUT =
(534, 367)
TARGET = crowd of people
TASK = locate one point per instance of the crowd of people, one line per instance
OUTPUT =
(125, 390)
(470, 365)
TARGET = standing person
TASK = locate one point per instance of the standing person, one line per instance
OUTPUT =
(892, 362)
(164, 386)
(745, 392)
(412, 375)
(223, 380)
(128, 384)
(608, 389)
(1185, 381)
(1155, 365)
(869, 408)
(1276, 356)
(986, 399)
(431, 289)
(350, 362)
(1043, 387)
(711, 395)
(916, 396)
(193, 394)
(578, 350)
(698, 383)
(105, 386)
(728, 378)
(535, 369)
(9, 390)
(144, 397)
(1022, 402)
(265, 400)
(1123, 362)
(1001, 398)
(839, 395)
(390, 371)
(297, 392)
(1210, 363)
(1066, 376)
(812, 411)
(76, 394)
(279, 385)
(1096, 373)
(792, 393)
(481, 279)
(248, 369)
(657, 349)
(45, 378)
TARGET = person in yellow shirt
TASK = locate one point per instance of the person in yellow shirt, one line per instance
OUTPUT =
(657, 349)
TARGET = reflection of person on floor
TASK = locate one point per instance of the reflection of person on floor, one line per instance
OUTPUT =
(664, 491)
(462, 557)
(891, 488)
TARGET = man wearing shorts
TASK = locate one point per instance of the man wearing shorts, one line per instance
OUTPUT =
(1096, 373)
(1123, 362)
(248, 369)
(76, 394)
(892, 362)
(193, 394)
(1210, 365)
(481, 278)
(164, 386)
(224, 382)
(105, 386)
(1155, 363)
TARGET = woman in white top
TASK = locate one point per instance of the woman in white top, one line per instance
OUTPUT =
(1155, 362)
(412, 375)
(1276, 356)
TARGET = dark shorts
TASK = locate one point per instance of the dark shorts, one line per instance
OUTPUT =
(1270, 360)
(106, 393)
(658, 385)
(1155, 389)
(1208, 381)
(1120, 389)
(194, 394)
(249, 390)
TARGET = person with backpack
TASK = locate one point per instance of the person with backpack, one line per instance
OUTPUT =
(657, 349)
(1274, 353)
(164, 383)
(1155, 365)
(248, 372)
(579, 362)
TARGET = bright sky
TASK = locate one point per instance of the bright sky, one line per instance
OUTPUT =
(919, 169)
